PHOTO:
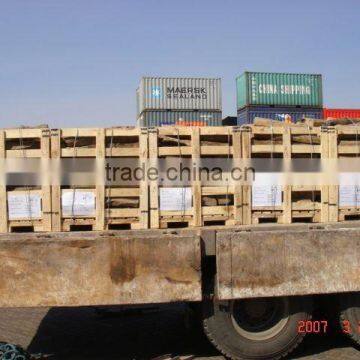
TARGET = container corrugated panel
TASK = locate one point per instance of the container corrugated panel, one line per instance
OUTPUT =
(280, 89)
(248, 114)
(163, 93)
(341, 113)
(185, 118)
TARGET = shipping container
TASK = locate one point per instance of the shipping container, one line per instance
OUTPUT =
(187, 118)
(164, 93)
(280, 89)
(248, 114)
(341, 113)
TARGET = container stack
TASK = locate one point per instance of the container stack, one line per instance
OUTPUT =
(179, 101)
(278, 96)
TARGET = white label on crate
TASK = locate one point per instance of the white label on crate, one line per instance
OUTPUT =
(24, 206)
(266, 190)
(176, 199)
(78, 203)
(349, 189)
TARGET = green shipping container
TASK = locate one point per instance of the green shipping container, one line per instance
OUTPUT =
(279, 89)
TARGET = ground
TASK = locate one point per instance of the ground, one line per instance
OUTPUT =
(148, 333)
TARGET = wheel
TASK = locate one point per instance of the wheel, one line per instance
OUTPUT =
(350, 315)
(264, 328)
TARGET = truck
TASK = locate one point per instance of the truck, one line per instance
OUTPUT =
(255, 286)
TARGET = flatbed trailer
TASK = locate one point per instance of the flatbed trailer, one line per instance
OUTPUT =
(255, 284)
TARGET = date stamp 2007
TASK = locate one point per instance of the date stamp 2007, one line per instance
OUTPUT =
(322, 327)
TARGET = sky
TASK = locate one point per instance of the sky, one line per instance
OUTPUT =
(77, 63)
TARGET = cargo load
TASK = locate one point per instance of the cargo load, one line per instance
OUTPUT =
(150, 204)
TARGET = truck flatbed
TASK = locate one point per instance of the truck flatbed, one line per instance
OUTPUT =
(156, 266)
(254, 283)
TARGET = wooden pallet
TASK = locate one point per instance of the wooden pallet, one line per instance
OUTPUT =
(102, 144)
(194, 143)
(25, 143)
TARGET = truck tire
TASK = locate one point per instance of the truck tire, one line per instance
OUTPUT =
(350, 315)
(256, 328)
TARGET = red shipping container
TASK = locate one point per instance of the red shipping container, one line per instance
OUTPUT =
(341, 113)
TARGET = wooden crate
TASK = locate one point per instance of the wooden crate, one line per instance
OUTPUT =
(298, 203)
(102, 144)
(344, 142)
(194, 143)
(25, 143)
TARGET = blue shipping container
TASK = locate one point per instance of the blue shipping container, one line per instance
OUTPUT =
(248, 114)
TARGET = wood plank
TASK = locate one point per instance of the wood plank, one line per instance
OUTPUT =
(246, 196)
(100, 187)
(175, 151)
(196, 184)
(237, 188)
(226, 211)
(123, 131)
(154, 190)
(124, 213)
(324, 141)
(144, 184)
(180, 213)
(79, 132)
(122, 152)
(216, 150)
(174, 130)
(216, 190)
(333, 196)
(23, 133)
(122, 192)
(287, 189)
(28, 153)
(26, 192)
(55, 188)
(78, 152)
(46, 187)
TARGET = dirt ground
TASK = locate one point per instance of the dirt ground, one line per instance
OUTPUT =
(147, 333)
